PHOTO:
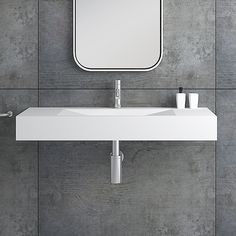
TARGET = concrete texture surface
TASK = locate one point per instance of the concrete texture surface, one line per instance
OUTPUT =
(18, 169)
(226, 110)
(169, 187)
(18, 43)
(189, 42)
(226, 164)
(76, 197)
(129, 98)
(226, 45)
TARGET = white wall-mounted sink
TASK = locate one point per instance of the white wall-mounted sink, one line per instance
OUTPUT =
(116, 124)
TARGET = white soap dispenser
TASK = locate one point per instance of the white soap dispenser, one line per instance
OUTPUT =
(180, 99)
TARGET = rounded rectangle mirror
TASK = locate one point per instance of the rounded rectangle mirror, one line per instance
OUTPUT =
(123, 35)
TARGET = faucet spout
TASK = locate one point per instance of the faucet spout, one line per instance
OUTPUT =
(117, 94)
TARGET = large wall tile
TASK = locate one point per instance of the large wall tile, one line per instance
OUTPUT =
(167, 189)
(188, 50)
(18, 169)
(226, 163)
(129, 98)
(226, 44)
(18, 44)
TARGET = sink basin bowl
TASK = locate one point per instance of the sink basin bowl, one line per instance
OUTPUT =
(114, 112)
(151, 123)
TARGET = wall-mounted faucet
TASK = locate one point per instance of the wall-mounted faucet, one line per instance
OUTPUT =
(117, 94)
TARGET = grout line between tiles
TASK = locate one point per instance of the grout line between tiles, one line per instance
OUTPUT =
(215, 182)
(143, 89)
(38, 194)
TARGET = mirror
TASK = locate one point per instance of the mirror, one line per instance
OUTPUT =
(121, 35)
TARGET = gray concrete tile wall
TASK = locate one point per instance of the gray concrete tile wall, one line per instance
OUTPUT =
(168, 187)
(19, 44)
(165, 193)
(226, 111)
(130, 98)
(226, 45)
(226, 163)
(189, 43)
(18, 169)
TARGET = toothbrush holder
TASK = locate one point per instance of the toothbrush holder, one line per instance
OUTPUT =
(193, 100)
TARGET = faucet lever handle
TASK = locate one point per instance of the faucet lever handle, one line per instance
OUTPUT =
(117, 91)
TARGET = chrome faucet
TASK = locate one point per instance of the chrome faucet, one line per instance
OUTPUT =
(117, 94)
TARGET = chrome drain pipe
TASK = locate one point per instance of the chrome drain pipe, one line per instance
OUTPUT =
(116, 163)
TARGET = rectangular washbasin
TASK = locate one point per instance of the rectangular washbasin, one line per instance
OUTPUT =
(151, 123)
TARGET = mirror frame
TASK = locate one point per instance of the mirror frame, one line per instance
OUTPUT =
(117, 69)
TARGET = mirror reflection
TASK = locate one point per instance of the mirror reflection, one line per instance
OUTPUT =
(117, 35)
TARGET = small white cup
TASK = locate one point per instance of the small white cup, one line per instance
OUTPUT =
(180, 100)
(193, 100)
